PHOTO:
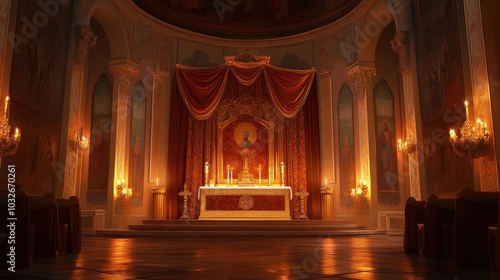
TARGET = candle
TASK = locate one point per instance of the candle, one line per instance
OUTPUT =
(6, 106)
(326, 182)
(479, 124)
(228, 168)
(16, 135)
(466, 108)
(206, 167)
(282, 167)
(156, 181)
(452, 133)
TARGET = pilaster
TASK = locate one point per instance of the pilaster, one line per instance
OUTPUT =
(485, 168)
(360, 73)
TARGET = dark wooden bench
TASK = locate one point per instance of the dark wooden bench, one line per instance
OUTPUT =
(70, 215)
(438, 213)
(44, 215)
(23, 238)
(475, 213)
(414, 215)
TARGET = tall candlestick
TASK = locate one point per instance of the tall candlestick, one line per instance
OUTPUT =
(282, 173)
(270, 175)
(6, 106)
(466, 109)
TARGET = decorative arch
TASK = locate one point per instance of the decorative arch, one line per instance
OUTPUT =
(379, 17)
(346, 145)
(110, 19)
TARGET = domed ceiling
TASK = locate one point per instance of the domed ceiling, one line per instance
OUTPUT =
(248, 19)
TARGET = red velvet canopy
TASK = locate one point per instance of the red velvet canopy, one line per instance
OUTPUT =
(196, 94)
(202, 88)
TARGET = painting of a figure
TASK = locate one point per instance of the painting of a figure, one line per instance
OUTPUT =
(388, 187)
(99, 138)
(137, 132)
(346, 145)
(245, 146)
(442, 93)
(36, 91)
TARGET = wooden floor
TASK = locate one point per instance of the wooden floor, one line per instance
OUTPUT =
(242, 257)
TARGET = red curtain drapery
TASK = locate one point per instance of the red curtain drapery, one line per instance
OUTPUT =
(192, 130)
(201, 88)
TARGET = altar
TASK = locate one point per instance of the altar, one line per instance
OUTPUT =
(245, 203)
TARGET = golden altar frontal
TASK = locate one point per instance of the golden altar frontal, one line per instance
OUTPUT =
(245, 203)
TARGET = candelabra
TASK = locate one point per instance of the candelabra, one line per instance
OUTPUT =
(8, 142)
(78, 142)
(282, 173)
(473, 141)
(360, 190)
(407, 145)
(123, 190)
(207, 168)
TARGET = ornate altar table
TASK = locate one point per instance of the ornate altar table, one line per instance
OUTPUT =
(245, 203)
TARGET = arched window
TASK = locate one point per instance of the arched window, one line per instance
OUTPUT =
(346, 146)
(99, 137)
(137, 144)
(387, 164)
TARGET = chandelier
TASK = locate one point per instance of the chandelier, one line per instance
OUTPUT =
(77, 141)
(360, 190)
(8, 142)
(407, 145)
(474, 139)
(123, 190)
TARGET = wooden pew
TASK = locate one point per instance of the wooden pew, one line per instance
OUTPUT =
(475, 212)
(438, 213)
(23, 241)
(414, 215)
(494, 247)
(69, 214)
(44, 214)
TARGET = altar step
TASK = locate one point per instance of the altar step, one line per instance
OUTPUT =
(240, 228)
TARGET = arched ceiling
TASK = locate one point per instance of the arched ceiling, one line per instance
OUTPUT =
(248, 19)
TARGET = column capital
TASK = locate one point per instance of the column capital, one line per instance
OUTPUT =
(86, 41)
(123, 67)
(399, 46)
(359, 72)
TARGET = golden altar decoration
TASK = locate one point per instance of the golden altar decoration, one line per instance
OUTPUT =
(235, 203)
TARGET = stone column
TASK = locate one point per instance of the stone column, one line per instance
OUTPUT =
(360, 73)
(327, 203)
(86, 41)
(415, 169)
(157, 115)
(159, 209)
(486, 168)
(123, 71)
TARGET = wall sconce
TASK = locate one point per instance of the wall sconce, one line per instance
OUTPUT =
(474, 140)
(123, 190)
(360, 190)
(77, 141)
(8, 142)
(407, 145)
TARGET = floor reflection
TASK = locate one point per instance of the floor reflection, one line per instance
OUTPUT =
(339, 257)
